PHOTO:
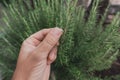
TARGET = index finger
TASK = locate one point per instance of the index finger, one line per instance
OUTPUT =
(40, 34)
(37, 37)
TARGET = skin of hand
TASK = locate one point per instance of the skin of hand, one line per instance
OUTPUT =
(36, 55)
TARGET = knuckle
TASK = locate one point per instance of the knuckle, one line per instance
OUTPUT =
(31, 36)
(45, 29)
(24, 42)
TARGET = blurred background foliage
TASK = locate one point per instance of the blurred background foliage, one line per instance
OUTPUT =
(104, 73)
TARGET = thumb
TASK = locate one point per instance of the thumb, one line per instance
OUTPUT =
(49, 42)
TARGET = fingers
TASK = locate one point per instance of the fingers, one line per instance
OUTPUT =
(40, 34)
(37, 37)
(52, 56)
(51, 39)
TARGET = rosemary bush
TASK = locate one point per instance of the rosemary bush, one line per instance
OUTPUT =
(86, 46)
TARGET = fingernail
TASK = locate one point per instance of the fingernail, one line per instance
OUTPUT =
(57, 31)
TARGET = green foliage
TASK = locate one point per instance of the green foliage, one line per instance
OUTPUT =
(86, 45)
(5, 1)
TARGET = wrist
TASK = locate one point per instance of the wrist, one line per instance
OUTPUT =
(18, 75)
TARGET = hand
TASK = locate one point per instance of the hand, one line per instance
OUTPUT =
(36, 55)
